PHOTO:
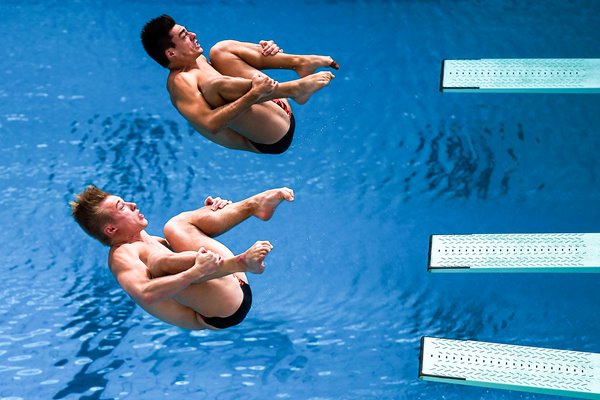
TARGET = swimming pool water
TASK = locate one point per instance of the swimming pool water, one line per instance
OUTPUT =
(381, 160)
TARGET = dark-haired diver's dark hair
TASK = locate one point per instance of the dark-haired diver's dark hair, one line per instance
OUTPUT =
(156, 38)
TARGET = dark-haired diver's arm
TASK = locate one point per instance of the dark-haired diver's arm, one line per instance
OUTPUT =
(193, 106)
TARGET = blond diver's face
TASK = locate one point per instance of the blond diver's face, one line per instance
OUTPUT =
(126, 219)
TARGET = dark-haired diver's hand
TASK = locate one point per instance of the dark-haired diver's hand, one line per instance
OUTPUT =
(269, 48)
(262, 86)
(216, 203)
(207, 262)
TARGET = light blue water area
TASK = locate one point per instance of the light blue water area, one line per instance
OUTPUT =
(380, 161)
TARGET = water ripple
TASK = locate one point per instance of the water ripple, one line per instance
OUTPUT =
(124, 148)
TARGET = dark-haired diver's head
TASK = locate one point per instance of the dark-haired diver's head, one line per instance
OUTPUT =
(169, 44)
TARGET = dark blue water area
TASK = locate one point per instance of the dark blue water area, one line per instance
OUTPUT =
(381, 160)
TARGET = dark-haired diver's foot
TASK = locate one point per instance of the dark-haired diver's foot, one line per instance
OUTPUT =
(310, 84)
(253, 258)
(310, 64)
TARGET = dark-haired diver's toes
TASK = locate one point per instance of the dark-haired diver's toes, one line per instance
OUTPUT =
(334, 65)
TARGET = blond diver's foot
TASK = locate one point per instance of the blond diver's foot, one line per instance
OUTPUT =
(310, 84)
(309, 65)
(254, 258)
(268, 201)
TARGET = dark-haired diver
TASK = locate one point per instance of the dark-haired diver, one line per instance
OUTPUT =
(230, 101)
(187, 279)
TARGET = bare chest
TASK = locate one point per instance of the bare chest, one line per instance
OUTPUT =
(151, 247)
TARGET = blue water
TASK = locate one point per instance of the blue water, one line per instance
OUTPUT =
(381, 160)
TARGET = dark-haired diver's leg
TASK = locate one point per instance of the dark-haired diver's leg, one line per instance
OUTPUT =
(225, 89)
(245, 60)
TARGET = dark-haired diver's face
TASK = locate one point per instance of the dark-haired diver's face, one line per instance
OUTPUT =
(187, 49)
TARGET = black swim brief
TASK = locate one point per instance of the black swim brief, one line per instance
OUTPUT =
(284, 143)
(236, 317)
